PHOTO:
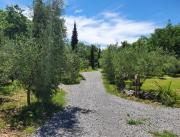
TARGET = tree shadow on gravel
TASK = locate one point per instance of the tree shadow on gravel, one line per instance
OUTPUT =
(64, 123)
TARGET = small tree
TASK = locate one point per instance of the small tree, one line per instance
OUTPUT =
(74, 40)
(25, 60)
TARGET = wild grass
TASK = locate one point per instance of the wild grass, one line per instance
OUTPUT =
(111, 88)
(166, 95)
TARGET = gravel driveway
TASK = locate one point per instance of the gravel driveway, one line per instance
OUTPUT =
(92, 112)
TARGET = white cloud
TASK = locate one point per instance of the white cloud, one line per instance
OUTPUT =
(105, 28)
(108, 28)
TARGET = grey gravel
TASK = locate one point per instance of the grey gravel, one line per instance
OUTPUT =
(92, 112)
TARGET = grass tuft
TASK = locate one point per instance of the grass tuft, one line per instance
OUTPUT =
(30, 130)
(134, 122)
(58, 98)
(163, 134)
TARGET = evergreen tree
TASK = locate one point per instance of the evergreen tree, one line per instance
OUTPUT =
(74, 40)
(99, 56)
(53, 56)
(92, 57)
(39, 18)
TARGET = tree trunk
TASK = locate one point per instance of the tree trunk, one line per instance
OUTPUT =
(28, 97)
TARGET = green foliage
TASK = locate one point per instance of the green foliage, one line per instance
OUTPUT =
(39, 18)
(111, 88)
(45, 64)
(39, 61)
(16, 22)
(83, 51)
(164, 134)
(72, 68)
(7, 60)
(121, 64)
(107, 62)
(9, 88)
(99, 57)
(167, 38)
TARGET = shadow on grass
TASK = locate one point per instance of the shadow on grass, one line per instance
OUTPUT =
(34, 115)
(64, 123)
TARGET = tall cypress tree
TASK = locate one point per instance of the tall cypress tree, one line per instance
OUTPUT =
(53, 51)
(49, 33)
(39, 18)
(92, 57)
(74, 40)
(99, 56)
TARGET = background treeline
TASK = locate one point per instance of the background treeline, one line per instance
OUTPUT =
(130, 65)
(36, 54)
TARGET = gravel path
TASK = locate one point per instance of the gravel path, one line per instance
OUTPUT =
(92, 112)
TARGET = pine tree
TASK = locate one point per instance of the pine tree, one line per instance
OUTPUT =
(74, 40)
(93, 57)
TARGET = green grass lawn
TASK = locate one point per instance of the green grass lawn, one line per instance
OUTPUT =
(150, 84)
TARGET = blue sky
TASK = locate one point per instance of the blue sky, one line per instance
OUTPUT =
(121, 19)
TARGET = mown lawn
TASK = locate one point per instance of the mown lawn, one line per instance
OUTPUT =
(151, 84)
(18, 119)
